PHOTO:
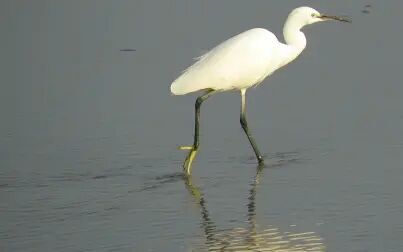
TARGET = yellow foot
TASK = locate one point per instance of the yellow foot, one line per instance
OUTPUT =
(187, 164)
(185, 147)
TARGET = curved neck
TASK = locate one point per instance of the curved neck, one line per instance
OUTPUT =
(293, 36)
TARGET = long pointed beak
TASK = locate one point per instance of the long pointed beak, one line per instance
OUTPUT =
(338, 18)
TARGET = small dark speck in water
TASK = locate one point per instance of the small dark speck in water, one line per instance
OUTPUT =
(127, 50)
(367, 9)
(99, 177)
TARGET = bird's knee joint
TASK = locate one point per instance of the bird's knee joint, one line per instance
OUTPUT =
(198, 102)
(243, 122)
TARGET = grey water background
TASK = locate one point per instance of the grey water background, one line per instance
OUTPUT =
(88, 134)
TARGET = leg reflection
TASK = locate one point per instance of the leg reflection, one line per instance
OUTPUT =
(207, 224)
(252, 238)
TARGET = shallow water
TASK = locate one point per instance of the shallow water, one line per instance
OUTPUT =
(89, 133)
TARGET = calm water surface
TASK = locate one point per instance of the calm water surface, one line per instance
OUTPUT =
(89, 133)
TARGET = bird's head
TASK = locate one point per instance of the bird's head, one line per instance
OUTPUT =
(307, 15)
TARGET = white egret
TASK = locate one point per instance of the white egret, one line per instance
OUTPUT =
(241, 62)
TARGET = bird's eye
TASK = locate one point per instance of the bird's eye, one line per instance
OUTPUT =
(313, 15)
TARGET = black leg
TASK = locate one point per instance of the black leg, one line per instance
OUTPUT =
(244, 124)
(187, 165)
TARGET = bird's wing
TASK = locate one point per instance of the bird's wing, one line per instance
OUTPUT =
(238, 62)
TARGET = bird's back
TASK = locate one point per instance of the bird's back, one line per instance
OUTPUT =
(239, 62)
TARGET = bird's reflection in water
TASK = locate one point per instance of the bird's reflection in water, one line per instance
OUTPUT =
(251, 238)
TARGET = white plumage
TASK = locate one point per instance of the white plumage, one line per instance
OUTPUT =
(238, 62)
